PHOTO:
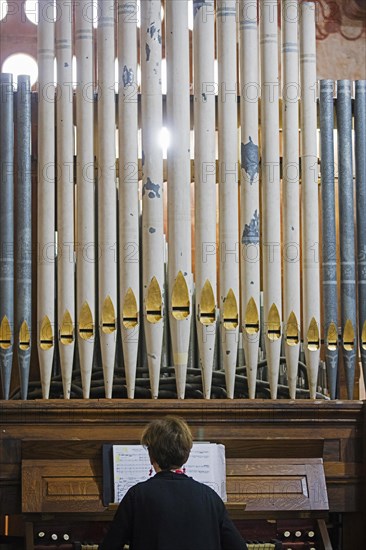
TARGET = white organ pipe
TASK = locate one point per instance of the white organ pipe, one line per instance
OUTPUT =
(86, 246)
(128, 189)
(65, 193)
(46, 194)
(249, 228)
(152, 187)
(179, 186)
(271, 233)
(228, 188)
(309, 179)
(107, 199)
(205, 185)
(290, 197)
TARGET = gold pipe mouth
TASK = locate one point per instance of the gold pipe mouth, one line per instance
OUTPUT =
(108, 316)
(332, 337)
(349, 336)
(207, 309)
(312, 337)
(180, 298)
(24, 336)
(251, 320)
(363, 336)
(230, 311)
(86, 324)
(5, 334)
(154, 302)
(130, 314)
(67, 330)
(273, 324)
(292, 330)
(46, 334)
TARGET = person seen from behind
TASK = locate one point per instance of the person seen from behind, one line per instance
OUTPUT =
(171, 511)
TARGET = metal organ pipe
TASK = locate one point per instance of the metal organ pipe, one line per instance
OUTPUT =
(46, 195)
(291, 199)
(347, 231)
(205, 186)
(179, 187)
(329, 264)
(228, 188)
(360, 150)
(85, 219)
(107, 198)
(143, 289)
(309, 192)
(271, 232)
(23, 236)
(249, 206)
(6, 230)
(152, 187)
(128, 189)
(65, 194)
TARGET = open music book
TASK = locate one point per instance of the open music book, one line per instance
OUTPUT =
(206, 464)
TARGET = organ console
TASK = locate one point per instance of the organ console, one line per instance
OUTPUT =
(290, 493)
(290, 467)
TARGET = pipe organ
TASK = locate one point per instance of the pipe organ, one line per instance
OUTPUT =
(238, 315)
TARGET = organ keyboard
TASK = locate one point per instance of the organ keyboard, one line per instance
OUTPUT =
(281, 534)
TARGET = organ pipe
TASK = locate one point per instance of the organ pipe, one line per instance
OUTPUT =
(309, 195)
(179, 189)
(228, 188)
(249, 206)
(360, 153)
(23, 241)
(85, 203)
(46, 195)
(329, 250)
(6, 230)
(205, 186)
(128, 189)
(65, 194)
(152, 187)
(291, 199)
(107, 199)
(347, 233)
(271, 231)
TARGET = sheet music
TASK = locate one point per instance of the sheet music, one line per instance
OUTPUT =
(206, 464)
(131, 464)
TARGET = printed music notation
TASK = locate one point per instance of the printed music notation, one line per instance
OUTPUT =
(206, 464)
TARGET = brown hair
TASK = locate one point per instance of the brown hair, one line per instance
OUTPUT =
(169, 442)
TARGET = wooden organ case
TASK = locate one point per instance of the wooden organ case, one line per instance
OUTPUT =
(293, 468)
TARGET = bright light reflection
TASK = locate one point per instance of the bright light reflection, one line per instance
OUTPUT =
(3, 9)
(190, 15)
(164, 140)
(163, 76)
(74, 72)
(21, 64)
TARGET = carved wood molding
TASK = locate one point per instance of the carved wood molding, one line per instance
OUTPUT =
(195, 411)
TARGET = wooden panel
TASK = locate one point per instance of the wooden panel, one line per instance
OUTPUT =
(61, 486)
(332, 450)
(280, 447)
(277, 484)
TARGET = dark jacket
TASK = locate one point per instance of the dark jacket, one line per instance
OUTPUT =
(172, 512)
